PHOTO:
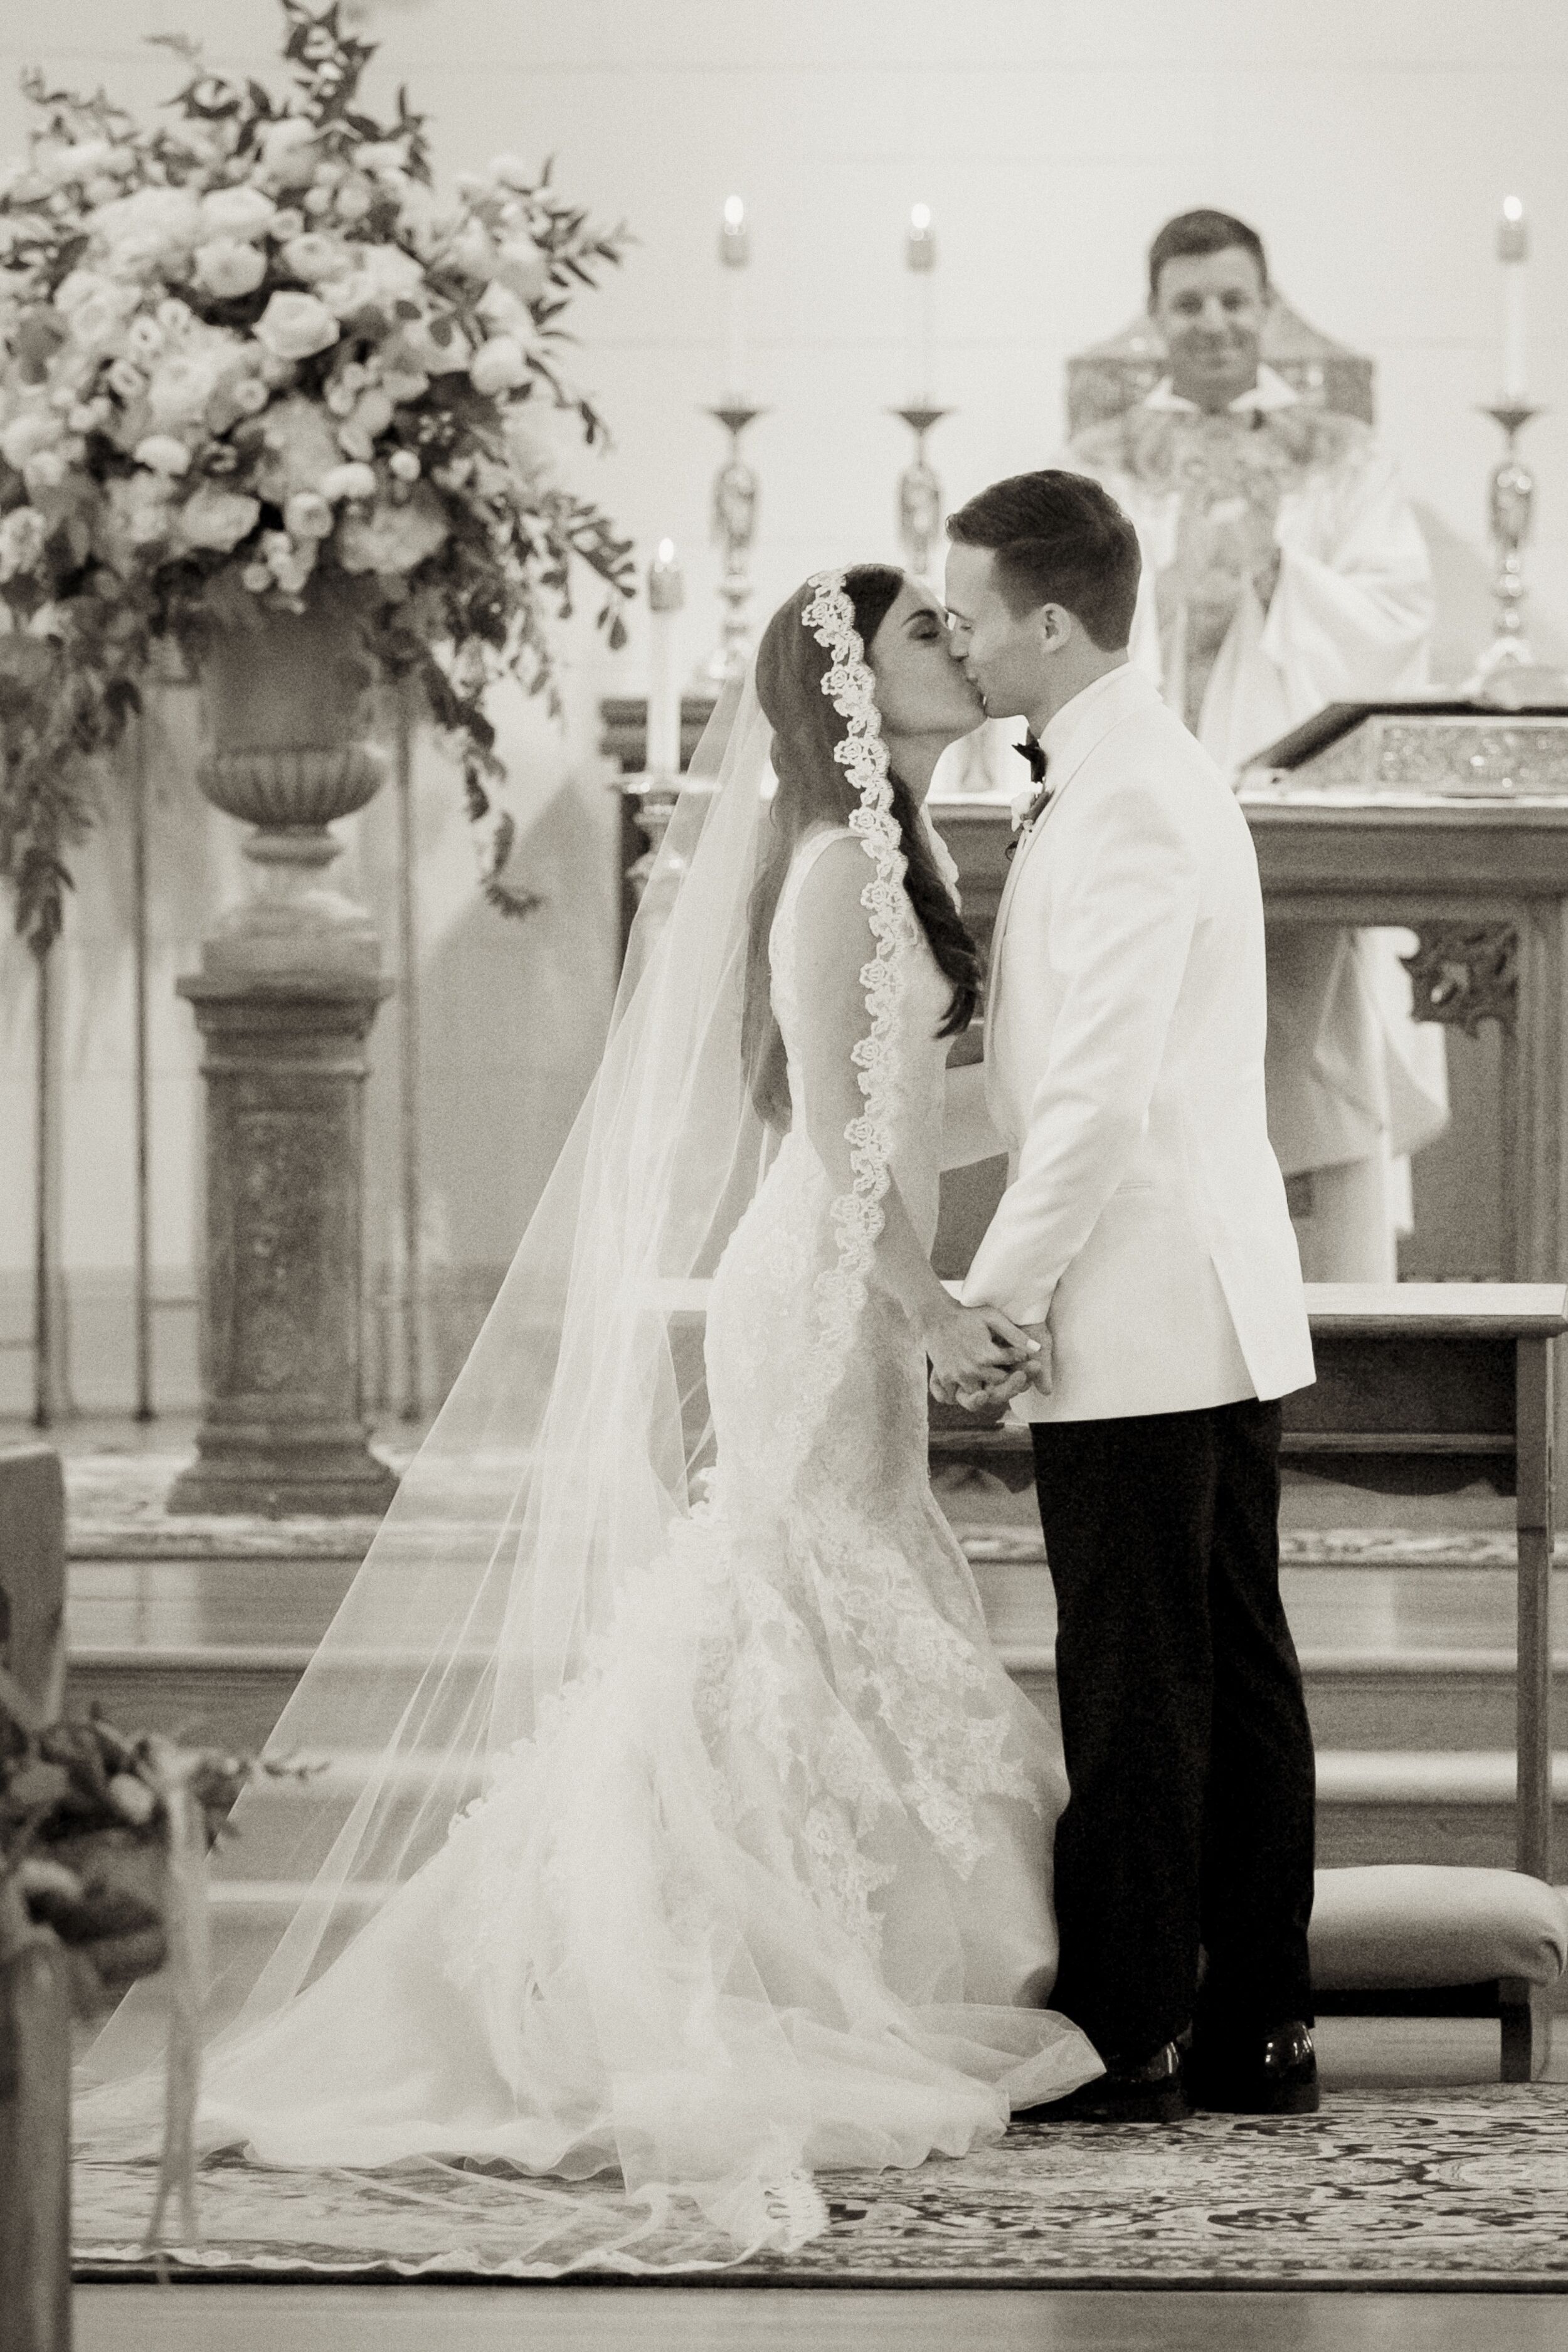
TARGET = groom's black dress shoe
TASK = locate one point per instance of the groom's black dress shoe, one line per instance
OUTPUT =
(1148, 2092)
(1273, 2072)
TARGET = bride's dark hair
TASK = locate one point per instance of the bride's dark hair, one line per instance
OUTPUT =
(813, 789)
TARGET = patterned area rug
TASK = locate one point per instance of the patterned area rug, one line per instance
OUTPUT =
(1399, 2188)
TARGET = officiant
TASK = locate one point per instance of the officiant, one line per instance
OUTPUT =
(1283, 570)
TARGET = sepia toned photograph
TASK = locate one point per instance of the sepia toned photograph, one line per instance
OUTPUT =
(783, 1175)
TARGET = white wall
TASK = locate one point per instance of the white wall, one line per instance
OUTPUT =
(1371, 144)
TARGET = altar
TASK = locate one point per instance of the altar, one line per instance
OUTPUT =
(1447, 818)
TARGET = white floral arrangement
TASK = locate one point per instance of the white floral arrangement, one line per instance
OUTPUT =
(253, 356)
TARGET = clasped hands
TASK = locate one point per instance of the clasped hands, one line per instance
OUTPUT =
(981, 1360)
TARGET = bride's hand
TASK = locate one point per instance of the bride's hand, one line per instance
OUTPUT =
(976, 1348)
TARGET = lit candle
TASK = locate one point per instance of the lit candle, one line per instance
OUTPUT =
(920, 253)
(734, 252)
(1512, 251)
(665, 594)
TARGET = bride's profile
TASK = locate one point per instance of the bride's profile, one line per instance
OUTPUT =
(683, 1836)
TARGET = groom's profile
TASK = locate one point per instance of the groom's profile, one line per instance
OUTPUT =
(1144, 1236)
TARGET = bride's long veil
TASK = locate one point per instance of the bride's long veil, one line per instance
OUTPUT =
(577, 1435)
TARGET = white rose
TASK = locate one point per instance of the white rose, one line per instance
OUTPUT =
(136, 513)
(180, 387)
(97, 319)
(498, 366)
(380, 276)
(289, 152)
(402, 383)
(242, 212)
(522, 270)
(216, 517)
(227, 268)
(79, 162)
(294, 326)
(349, 482)
(76, 285)
(144, 339)
(21, 536)
(393, 538)
(46, 471)
(154, 225)
(531, 453)
(133, 1799)
(25, 435)
(373, 411)
(473, 251)
(162, 454)
(416, 347)
(313, 256)
(307, 515)
(299, 448)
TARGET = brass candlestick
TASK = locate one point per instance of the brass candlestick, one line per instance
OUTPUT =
(920, 492)
(1510, 510)
(734, 527)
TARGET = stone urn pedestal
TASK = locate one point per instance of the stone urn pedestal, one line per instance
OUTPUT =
(290, 983)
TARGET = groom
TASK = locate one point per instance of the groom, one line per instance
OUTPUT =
(1144, 1234)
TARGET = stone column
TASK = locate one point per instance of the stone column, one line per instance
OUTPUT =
(287, 990)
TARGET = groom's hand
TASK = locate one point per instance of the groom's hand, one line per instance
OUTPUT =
(995, 1395)
(974, 1347)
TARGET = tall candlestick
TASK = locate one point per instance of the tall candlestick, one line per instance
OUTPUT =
(1513, 252)
(734, 252)
(665, 594)
(920, 253)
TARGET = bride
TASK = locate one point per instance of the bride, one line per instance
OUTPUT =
(683, 1836)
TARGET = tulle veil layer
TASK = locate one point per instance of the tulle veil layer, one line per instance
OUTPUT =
(577, 1433)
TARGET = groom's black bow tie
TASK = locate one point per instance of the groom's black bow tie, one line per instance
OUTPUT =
(1032, 750)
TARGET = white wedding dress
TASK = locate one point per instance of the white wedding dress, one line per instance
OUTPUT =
(767, 1890)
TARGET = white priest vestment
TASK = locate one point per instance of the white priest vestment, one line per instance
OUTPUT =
(1354, 1083)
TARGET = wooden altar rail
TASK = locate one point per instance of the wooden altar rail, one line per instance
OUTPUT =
(1422, 1388)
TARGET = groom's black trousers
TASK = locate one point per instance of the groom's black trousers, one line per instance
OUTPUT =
(1188, 1753)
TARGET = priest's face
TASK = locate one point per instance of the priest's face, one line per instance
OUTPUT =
(1208, 307)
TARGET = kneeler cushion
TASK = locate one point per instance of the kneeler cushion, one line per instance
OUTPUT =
(1404, 1925)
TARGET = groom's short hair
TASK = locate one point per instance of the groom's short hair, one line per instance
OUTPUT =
(1059, 539)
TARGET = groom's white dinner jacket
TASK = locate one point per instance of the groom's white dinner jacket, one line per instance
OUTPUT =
(1146, 1213)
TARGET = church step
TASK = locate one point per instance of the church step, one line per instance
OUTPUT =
(1453, 1700)
(1383, 1805)
(1438, 1825)
(1380, 1801)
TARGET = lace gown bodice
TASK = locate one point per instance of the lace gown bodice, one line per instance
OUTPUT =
(768, 1890)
